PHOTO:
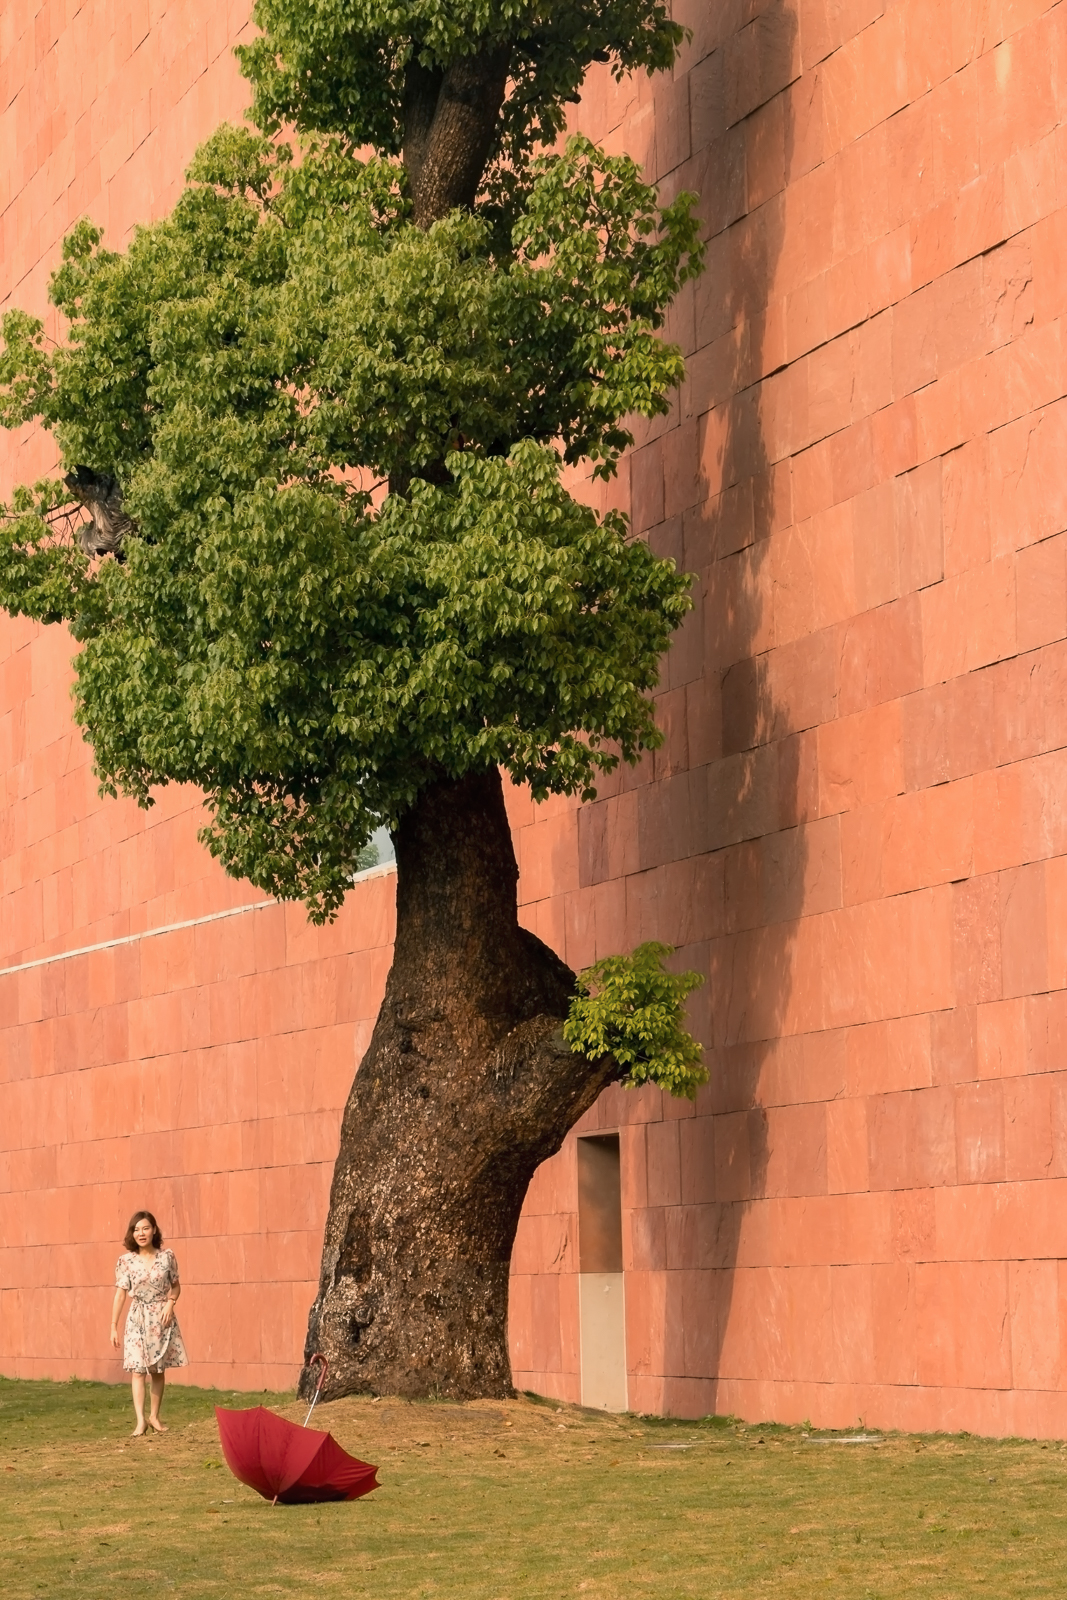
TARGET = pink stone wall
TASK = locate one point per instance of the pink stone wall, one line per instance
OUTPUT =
(856, 826)
(194, 1060)
(858, 823)
(200, 1071)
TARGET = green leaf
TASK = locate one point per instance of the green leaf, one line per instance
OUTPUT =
(632, 1008)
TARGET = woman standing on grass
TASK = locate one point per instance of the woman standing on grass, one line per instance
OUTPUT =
(153, 1341)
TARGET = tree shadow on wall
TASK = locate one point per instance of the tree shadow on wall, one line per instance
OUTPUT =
(757, 629)
(705, 845)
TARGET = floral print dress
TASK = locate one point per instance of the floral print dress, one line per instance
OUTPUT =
(148, 1346)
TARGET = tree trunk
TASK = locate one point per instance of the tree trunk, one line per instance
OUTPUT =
(466, 1087)
(450, 118)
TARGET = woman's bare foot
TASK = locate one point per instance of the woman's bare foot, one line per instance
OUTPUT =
(154, 1422)
(139, 1430)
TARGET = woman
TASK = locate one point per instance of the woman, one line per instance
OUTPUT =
(153, 1341)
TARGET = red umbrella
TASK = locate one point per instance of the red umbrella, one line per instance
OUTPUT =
(283, 1462)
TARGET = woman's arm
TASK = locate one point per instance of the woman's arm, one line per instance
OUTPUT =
(167, 1314)
(116, 1311)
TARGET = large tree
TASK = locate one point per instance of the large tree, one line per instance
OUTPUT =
(327, 570)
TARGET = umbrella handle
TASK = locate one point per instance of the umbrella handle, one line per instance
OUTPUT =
(318, 1386)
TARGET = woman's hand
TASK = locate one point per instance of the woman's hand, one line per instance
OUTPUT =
(166, 1316)
(116, 1312)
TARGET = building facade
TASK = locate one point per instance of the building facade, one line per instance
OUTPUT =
(856, 826)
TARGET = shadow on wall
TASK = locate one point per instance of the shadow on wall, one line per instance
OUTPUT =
(705, 844)
(769, 679)
(749, 701)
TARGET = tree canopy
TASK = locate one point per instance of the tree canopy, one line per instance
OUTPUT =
(340, 427)
(382, 73)
(252, 369)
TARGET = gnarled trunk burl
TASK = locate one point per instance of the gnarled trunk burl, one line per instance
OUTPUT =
(466, 1087)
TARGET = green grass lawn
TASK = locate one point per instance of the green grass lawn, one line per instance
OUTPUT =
(499, 1500)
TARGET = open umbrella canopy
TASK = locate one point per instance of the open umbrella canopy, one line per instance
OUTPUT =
(287, 1463)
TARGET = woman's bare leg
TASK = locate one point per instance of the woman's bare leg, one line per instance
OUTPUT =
(137, 1389)
(159, 1381)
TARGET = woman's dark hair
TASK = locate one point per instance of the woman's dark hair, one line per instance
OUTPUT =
(157, 1238)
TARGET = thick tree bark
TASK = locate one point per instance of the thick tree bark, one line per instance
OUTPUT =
(466, 1087)
(449, 120)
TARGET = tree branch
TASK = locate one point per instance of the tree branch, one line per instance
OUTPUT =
(446, 147)
(550, 1086)
(422, 90)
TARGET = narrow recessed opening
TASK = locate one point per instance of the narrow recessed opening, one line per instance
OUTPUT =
(599, 1204)
(601, 1285)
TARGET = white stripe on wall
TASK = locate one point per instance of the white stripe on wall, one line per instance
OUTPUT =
(171, 927)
